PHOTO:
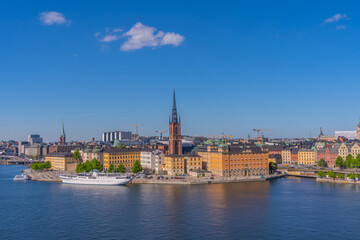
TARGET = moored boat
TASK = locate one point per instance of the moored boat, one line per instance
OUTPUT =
(96, 178)
(21, 177)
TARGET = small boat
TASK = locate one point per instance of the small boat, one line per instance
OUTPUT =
(21, 177)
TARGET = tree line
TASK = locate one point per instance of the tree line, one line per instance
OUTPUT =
(40, 165)
(349, 162)
(332, 174)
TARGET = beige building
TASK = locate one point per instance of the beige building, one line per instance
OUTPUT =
(355, 150)
(306, 157)
(286, 156)
(343, 150)
(62, 161)
(90, 153)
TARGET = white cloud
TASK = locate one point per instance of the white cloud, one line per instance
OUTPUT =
(140, 36)
(50, 18)
(341, 27)
(337, 17)
(109, 38)
(117, 30)
(97, 34)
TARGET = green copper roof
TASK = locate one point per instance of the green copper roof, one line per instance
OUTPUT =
(116, 143)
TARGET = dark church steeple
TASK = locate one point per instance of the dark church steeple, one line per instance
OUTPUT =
(174, 118)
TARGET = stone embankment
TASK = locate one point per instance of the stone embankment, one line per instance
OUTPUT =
(45, 176)
(329, 180)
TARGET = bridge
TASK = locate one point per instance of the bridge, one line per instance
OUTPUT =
(5, 159)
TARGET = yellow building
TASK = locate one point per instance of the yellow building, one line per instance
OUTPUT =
(125, 156)
(192, 161)
(174, 164)
(62, 161)
(239, 161)
(306, 157)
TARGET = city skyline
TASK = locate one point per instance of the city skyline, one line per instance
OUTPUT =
(290, 67)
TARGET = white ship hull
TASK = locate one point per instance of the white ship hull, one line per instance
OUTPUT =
(102, 180)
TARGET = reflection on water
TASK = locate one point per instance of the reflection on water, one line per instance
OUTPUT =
(291, 208)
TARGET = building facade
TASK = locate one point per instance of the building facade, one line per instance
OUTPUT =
(89, 154)
(152, 160)
(125, 156)
(306, 157)
(63, 161)
(118, 135)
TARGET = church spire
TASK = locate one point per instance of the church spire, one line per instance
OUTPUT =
(174, 118)
(62, 130)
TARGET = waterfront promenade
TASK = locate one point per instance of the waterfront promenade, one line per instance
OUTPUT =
(53, 176)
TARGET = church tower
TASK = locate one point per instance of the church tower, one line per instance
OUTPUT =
(62, 134)
(175, 143)
(358, 130)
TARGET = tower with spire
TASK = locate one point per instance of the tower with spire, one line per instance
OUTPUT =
(62, 134)
(175, 143)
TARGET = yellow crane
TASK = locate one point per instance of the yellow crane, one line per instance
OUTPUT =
(224, 137)
(258, 132)
(137, 129)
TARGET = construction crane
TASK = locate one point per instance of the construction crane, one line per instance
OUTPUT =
(258, 133)
(161, 132)
(224, 137)
(137, 129)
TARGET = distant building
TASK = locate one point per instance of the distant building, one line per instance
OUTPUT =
(358, 130)
(119, 135)
(34, 138)
(62, 161)
(351, 135)
(329, 154)
(286, 156)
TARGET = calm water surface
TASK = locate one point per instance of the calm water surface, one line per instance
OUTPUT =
(288, 208)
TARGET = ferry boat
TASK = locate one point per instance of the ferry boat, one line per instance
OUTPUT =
(21, 177)
(96, 178)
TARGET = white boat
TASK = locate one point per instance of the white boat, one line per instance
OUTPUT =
(21, 177)
(96, 179)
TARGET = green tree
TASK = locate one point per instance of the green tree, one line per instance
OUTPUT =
(203, 174)
(272, 167)
(111, 168)
(87, 166)
(331, 174)
(348, 160)
(340, 175)
(35, 156)
(37, 166)
(322, 163)
(357, 175)
(352, 176)
(47, 164)
(321, 174)
(95, 164)
(339, 162)
(76, 154)
(121, 168)
(137, 167)
(80, 167)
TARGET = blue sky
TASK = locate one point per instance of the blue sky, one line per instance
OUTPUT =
(291, 66)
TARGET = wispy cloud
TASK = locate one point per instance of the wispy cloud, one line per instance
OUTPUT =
(109, 38)
(51, 18)
(140, 36)
(337, 17)
(341, 27)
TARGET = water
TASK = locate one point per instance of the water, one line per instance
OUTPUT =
(289, 208)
